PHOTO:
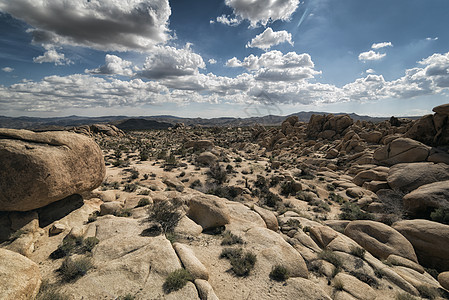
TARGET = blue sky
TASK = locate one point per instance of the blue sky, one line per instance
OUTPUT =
(212, 58)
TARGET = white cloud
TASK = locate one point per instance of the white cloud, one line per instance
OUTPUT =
(381, 45)
(114, 65)
(165, 62)
(263, 11)
(227, 20)
(371, 55)
(52, 56)
(370, 71)
(212, 61)
(432, 39)
(7, 69)
(234, 63)
(270, 38)
(103, 25)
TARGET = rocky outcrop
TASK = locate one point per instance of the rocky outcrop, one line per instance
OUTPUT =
(208, 211)
(19, 277)
(427, 198)
(432, 129)
(430, 240)
(37, 169)
(321, 123)
(199, 145)
(206, 159)
(402, 150)
(408, 177)
(190, 262)
(379, 239)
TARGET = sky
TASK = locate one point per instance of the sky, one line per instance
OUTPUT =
(222, 58)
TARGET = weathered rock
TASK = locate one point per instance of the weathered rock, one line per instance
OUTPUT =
(110, 208)
(442, 109)
(56, 228)
(379, 239)
(430, 240)
(372, 137)
(401, 261)
(208, 211)
(408, 177)
(205, 290)
(191, 262)
(188, 227)
(174, 183)
(443, 279)
(423, 130)
(268, 217)
(207, 159)
(199, 145)
(106, 129)
(355, 287)
(300, 288)
(37, 169)
(427, 198)
(402, 150)
(19, 277)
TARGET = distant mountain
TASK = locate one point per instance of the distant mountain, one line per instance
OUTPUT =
(159, 122)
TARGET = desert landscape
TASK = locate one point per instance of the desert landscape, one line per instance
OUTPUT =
(325, 209)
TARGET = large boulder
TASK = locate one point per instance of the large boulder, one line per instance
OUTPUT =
(206, 159)
(442, 109)
(408, 177)
(379, 239)
(430, 240)
(37, 169)
(402, 150)
(427, 197)
(19, 276)
(208, 211)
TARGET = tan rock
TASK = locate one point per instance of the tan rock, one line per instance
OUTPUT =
(268, 217)
(20, 278)
(110, 208)
(205, 290)
(191, 262)
(427, 198)
(56, 228)
(300, 288)
(443, 279)
(401, 261)
(402, 150)
(441, 109)
(199, 144)
(430, 240)
(355, 287)
(188, 227)
(408, 177)
(208, 211)
(206, 159)
(41, 168)
(379, 239)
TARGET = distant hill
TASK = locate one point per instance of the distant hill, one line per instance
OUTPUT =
(159, 122)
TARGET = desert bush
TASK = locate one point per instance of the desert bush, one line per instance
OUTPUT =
(270, 199)
(93, 216)
(71, 245)
(336, 198)
(351, 211)
(130, 187)
(358, 251)
(440, 215)
(230, 253)
(124, 212)
(371, 281)
(166, 213)
(304, 196)
(134, 174)
(143, 202)
(244, 264)
(279, 273)
(143, 155)
(217, 173)
(231, 239)
(320, 206)
(49, 291)
(287, 188)
(176, 280)
(89, 243)
(72, 269)
(196, 183)
(330, 256)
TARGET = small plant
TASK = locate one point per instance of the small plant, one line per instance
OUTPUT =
(336, 198)
(166, 213)
(143, 202)
(48, 291)
(440, 215)
(89, 243)
(217, 173)
(359, 252)
(362, 276)
(351, 211)
(279, 273)
(72, 269)
(230, 253)
(130, 187)
(238, 159)
(196, 183)
(176, 280)
(124, 212)
(338, 285)
(287, 188)
(241, 263)
(93, 216)
(271, 199)
(330, 256)
(428, 292)
(231, 239)
(71, 245)
(293, 223)
(126, 297)
(134, 174)
(144, 192)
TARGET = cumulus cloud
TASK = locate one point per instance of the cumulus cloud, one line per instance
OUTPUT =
(371, 55)
(114, 65)
(270, 38)
(432, 39)
(263, 11)
(166, 62)
(227, 20)
(376, 46)
(370, 71)
(52, 56)
(7, 69)
(103, 25)
(212, 61)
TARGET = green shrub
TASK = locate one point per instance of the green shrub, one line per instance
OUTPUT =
(72, 269)
(217, 173)
(176, 280)
(336, 198)
(351, 211)
(358, 251)
(244, 264)
(89, 243)
(69, 245)
(124, 212)
(440, 215)
(49, 291)
(230, 239)
(271, 199)
(362, 276)
(279, 273)
(143, 202)
(166, 213)
(130, 187)
(287, 188)
(230, 253)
